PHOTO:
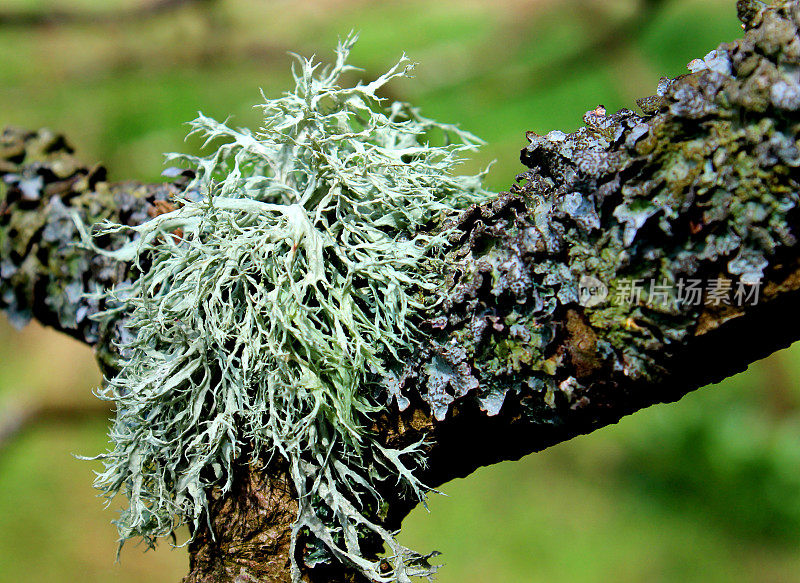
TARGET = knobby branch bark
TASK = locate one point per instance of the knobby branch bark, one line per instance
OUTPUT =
(541, 334)
(41, 18)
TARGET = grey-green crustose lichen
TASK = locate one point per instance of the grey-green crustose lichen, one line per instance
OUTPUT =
(273, 304)
(43, 274)
(704, 185)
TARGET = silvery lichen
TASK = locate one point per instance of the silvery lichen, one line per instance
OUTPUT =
(272, 304)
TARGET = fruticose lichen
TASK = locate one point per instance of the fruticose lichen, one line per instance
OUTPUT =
(272, 304)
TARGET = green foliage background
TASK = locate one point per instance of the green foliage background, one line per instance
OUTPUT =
(707, 489)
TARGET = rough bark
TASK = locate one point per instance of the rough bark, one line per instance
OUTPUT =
(51, 17)
(251, 527)
(704, 185)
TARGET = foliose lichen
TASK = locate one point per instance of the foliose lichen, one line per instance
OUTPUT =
(703, 185)
(43, 273)
(270, 309)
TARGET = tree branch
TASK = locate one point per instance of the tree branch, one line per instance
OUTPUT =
(33, 18)
(521, 355)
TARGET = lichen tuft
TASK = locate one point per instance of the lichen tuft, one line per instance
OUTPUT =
(273, 302)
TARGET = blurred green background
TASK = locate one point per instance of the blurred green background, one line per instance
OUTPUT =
(706, 489)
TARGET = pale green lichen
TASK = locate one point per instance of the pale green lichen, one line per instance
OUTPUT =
(273, 301)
